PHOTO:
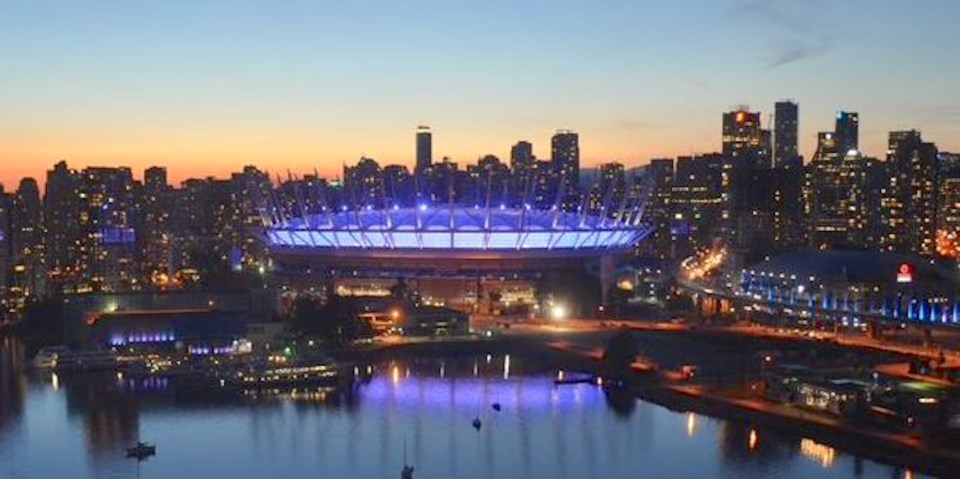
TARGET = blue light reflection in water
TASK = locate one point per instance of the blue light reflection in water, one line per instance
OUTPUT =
(79, 428)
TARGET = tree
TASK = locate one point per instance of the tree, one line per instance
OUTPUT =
(621, 351)
(336, 321)
(43, 319)
(579, 290)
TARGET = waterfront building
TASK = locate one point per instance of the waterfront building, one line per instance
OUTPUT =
(200, 323)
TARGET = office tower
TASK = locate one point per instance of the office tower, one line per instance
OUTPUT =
(762, 207)
(565, 155)
(424, 150)
(27, 238)
(786, 128)
(61, 214)
(745, 145)
(659, 174)
(154, 236)
(838, 196)
(696, 200)
(847, 132)
(908, 208)
(766, 211)
(522, 166)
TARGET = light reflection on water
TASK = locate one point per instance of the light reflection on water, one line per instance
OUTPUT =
(542, 430)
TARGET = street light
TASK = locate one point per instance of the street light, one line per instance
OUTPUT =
(558, 312)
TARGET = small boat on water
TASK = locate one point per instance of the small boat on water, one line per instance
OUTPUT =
(61, 358)
(141, 451)
(407, 472)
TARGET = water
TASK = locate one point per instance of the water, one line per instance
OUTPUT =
(53, 426)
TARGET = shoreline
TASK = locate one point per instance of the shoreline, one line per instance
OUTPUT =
(850, 438)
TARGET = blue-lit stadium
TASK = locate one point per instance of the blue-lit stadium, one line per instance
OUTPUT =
(438, 245)
(472, 231)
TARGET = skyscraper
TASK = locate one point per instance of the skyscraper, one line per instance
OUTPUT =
(27, 232)
(6, 247)
(522, 167)
(744, 140)
(521, 154)
(364, 184)
(786, 126)
(847, 132)
(107, 227)
(565, 156)
(154, 236)
(908, 206)
(61, 213)
(750, 216)
(837, 202)
(424, 149)
(948, 216)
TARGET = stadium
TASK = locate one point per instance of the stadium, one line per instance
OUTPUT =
(454, 250)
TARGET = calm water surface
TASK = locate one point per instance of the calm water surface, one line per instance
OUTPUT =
(52, 427)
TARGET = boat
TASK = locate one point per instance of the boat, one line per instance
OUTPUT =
(141, 451)
(407, 472)
(287, 376)
(61, 358)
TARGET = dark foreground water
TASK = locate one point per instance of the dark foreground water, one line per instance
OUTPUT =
(53, 427)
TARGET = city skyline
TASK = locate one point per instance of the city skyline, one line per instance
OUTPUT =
(206, 89)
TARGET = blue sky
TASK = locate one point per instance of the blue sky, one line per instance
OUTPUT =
(207, 86)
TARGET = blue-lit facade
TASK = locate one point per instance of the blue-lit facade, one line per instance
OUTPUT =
(458, 228)
(855, 287)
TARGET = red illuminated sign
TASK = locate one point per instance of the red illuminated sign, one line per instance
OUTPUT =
(905, 273)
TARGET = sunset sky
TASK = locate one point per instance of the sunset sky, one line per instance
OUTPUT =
(204, 87)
